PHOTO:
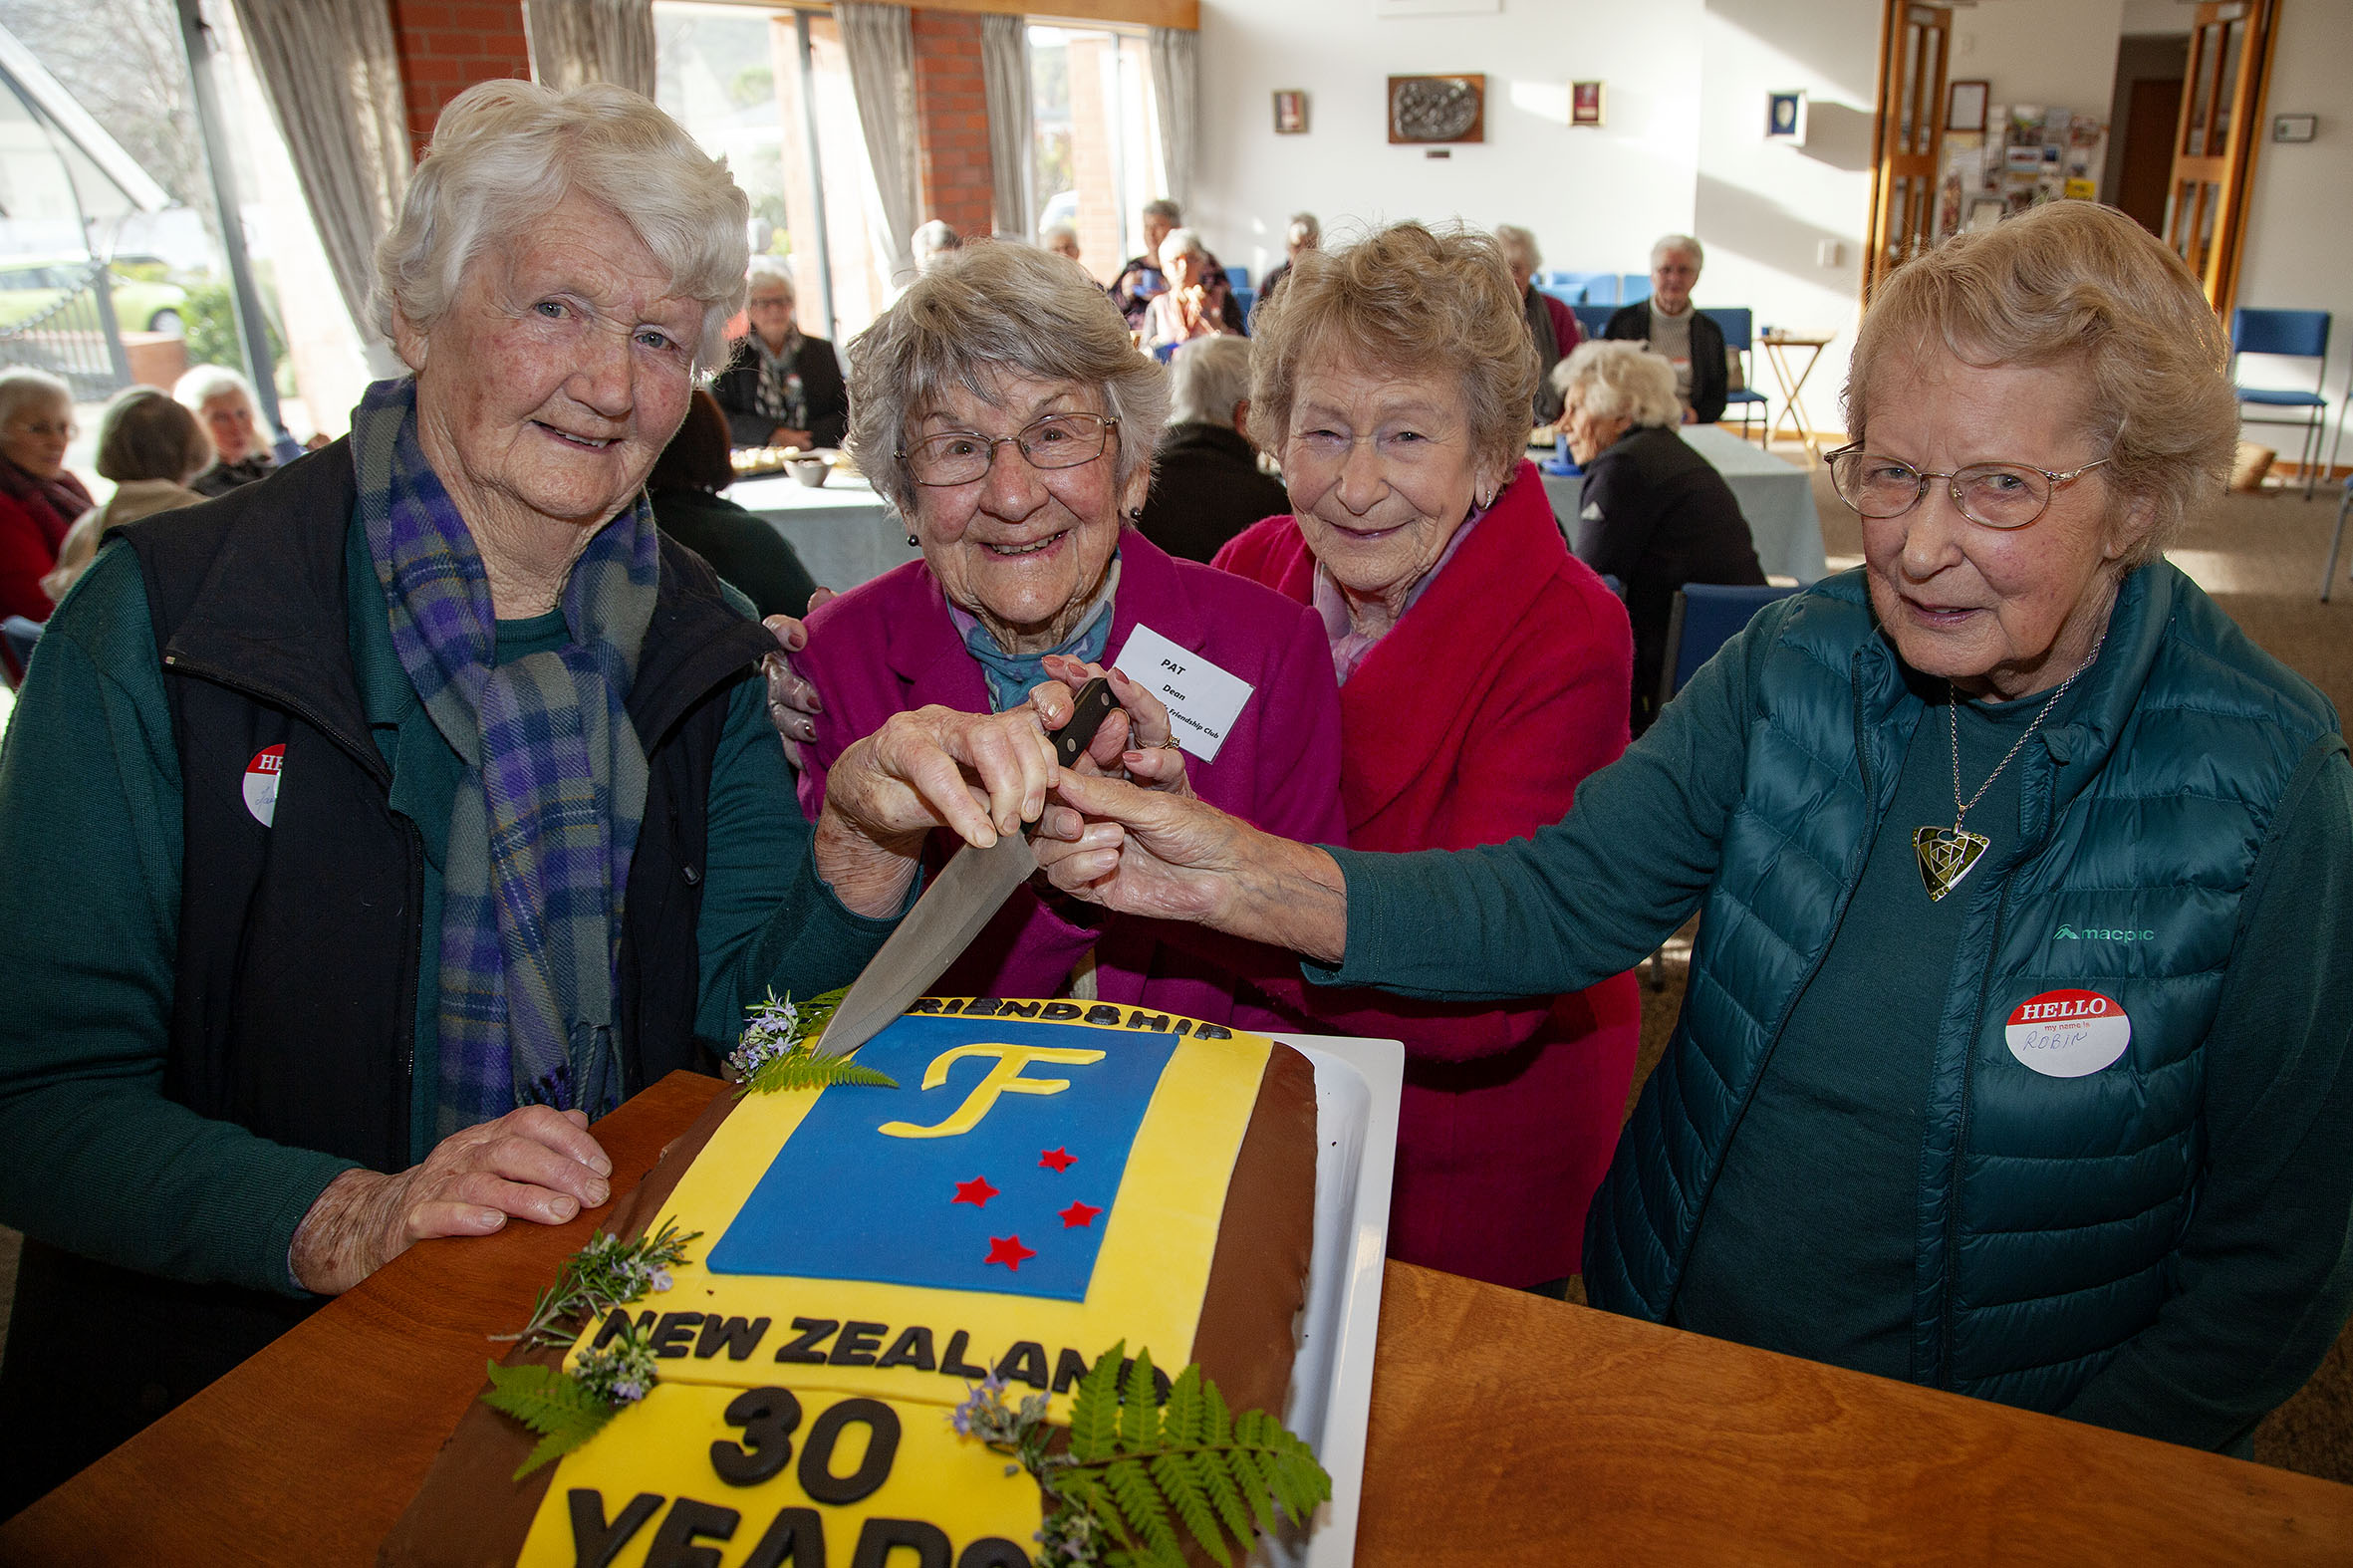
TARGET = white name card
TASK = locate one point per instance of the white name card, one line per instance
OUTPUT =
(1204, 701)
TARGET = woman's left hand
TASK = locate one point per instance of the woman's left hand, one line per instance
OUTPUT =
(1139, 738)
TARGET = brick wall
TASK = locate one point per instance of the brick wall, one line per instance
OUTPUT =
(951, 113)
(446, 46)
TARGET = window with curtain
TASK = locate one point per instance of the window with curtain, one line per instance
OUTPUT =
(1097, 138)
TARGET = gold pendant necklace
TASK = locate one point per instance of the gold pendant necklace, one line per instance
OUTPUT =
(1947, 855)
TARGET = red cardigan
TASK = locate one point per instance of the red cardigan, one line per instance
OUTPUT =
(1472, 723)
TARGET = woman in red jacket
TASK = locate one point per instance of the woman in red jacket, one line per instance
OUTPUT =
(1483, 672)
(39, 500)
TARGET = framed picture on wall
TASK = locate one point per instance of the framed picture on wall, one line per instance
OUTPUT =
(1786, 117)
(1290, 112)
(1965, 105)
(1438, 109)
(1588, 101)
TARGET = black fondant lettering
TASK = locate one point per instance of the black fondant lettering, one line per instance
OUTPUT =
(1070, 1370)
(955, 1363)
(1103, 1012)
(671, 1334)
(992, 1551)
(953, 1008)
(1024, 1362)
(1013, 1010)
(616, 1321)
(687, 1521)
(769, 1418)
(874, 1543)
(737, 1337)
(924, 1004)
(1138, 1018)
(596, 1543)
(913, 1348)
(795, 1536)
(817, 1452)
(1212, 1031)
(1059, 1012)
(982, 1007)
(803, 1350)
(1184, 1027)
(856, 1347)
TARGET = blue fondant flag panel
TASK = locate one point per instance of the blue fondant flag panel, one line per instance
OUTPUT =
(992, 1167)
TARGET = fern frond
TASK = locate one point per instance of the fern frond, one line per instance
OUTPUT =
(564, 1414)
(1131, 1487)
(1300, 1484)
(1256, 1485)
(1218, 1484)
(1181, 1418)
(1216, 1423)
(796, 1071)
(1139, 1411)
(1095, 1407)
(1182, 1486)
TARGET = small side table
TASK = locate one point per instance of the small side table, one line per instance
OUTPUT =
(1778, 348)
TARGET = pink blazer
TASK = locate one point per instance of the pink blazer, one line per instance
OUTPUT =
(1472, 723)
(889, 645)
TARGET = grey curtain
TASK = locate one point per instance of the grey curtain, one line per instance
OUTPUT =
(333, 76)
(1176, 97)
(574, 42)
(1004, 73)
(879, 44)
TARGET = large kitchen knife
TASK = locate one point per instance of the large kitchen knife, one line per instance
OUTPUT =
(963, 897)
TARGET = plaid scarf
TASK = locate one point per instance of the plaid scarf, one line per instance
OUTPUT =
(546, 817)
(781, 397)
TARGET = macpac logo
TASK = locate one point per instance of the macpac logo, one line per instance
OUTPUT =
(2102, 933)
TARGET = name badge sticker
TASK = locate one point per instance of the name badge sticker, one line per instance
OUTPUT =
(261, 783)
(2068, 1034)
(1204, 701)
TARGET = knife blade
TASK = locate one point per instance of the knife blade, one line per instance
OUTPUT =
(961, 900)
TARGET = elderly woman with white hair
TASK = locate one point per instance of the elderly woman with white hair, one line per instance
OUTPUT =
(1552, 325)
(1195, 303)
(1678, 331)
(39, 497)
(1205, 483)
(1002, 411)
(373, 828)
(1654, 514)
(780, 387)
(223, 399)
(2017, 1058)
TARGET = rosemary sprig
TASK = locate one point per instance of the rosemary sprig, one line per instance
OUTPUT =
(779, 1049)
(607, 1273)
(567, 1408)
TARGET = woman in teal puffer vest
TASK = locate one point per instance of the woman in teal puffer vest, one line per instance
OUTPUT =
(2015, 1055)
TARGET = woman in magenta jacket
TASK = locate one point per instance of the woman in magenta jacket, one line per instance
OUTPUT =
(1483, 675)
(1001, 409)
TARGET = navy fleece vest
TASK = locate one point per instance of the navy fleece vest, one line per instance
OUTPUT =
(2048, 1209)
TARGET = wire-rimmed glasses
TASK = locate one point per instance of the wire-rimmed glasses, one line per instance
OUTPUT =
(1997, 495)
(1059, 440)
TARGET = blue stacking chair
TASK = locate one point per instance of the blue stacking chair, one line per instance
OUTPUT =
(1738, 334)
(18, 634)
(1246, 298)
(1237, 277)
(1583, 287)
(2329, 572)
(2298, 334)
(1593, 318)
(1633, 286)
(1704, 618)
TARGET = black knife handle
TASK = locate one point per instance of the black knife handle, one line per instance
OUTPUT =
(1093, 705)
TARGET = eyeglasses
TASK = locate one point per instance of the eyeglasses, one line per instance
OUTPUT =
(1997, 495)
(1059, 440)
(64, 430)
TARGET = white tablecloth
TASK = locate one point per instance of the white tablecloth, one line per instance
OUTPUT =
(1775, 497)
(843, 533)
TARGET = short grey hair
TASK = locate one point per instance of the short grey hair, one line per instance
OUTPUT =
(1305, 229)
(1681, 242)
(1617, 379)
(203, 382)
(1206, 378)
(1182, 242)
(1519, 243)
(771, 269)
(982, 312)
(147, 434)
(22, 387)
(505, 152)
(1166, 211)
(931, 241)
(1054, 231)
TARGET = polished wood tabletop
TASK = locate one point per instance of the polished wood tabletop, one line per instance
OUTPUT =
(1506, 1428)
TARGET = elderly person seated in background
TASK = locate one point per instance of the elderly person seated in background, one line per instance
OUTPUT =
(781, 386)
(1061, 239)
(1002, 411)
(1675, 330)
(1141, 279)
(1305, 233)
(264, 1036)
(1654, 514)
(747, 553)
(39, 499)
(931, 242)
(1205, 483)
(151, 446)
(1552, 325)
(1196, 300)
(1483, 676)
(2014, 1060)
(223, 399)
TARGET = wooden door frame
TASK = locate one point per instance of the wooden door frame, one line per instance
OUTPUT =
(2250, 98)
(1894, 18)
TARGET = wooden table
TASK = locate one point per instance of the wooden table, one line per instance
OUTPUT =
(1504, 1429)
(1778, 346)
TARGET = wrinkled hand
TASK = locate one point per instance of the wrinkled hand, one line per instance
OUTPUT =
(1137, 739)
(534, 1164)
(1141, 851)
(793, 704)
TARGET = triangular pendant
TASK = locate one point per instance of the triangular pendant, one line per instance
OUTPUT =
(1945, 856)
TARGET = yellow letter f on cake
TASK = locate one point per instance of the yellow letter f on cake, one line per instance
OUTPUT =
(1002, 1079)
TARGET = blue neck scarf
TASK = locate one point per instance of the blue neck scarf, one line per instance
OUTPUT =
(1013, 677)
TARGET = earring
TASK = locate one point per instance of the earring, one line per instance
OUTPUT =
(912, 541)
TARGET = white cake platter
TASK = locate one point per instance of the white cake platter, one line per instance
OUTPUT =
(1358, 1084)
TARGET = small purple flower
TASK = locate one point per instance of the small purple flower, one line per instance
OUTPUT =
(661, 1279)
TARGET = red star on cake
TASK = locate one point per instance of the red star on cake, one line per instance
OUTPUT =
(1057, 1160)
(976, 1193)
(1079, 1214)
(1009, 1251)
